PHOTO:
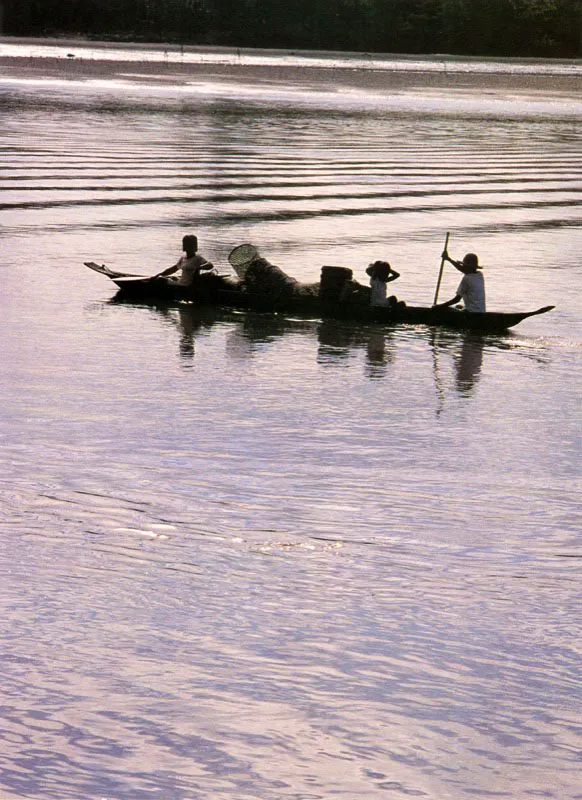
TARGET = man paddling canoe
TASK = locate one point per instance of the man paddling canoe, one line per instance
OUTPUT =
(471, 289)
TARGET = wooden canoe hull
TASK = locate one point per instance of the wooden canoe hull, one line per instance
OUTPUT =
(216, 291)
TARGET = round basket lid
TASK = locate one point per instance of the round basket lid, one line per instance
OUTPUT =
(243, 254)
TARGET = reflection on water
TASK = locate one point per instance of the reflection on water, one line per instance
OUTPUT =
(467, 360)
(249, 333)
(468, 363)
(337, 340)
(189, 323)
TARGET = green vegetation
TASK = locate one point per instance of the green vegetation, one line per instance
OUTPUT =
(547, 28)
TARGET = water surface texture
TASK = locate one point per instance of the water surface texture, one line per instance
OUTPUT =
(259, 558)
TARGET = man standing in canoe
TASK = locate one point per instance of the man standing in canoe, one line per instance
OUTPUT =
(191, 263)
(471, 289)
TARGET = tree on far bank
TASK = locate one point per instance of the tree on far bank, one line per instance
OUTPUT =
(547, 28)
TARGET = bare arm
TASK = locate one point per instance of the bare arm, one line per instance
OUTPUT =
(456, 299)
(446, 257)
(392, 275)
(171, 270)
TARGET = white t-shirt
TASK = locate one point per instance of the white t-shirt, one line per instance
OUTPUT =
(472, 291)
(189, 267)
(378, 295)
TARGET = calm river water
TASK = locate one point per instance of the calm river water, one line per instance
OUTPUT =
(256, 558)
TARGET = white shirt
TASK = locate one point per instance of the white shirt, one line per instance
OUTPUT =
(472, 291)
(378, 295)
(189, 267)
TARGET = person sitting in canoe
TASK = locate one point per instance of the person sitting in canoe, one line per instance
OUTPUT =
(191, 263)
(381, 274)
(471, 289)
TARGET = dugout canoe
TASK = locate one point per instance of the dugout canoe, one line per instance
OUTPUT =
(212, 289)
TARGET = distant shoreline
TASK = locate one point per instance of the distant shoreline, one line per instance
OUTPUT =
(75, 67)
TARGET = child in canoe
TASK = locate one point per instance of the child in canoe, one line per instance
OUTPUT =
(381, 274)
(190, 264)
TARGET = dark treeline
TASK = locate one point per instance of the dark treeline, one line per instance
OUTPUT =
(547, 28)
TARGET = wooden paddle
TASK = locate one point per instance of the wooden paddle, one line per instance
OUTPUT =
(438, 286)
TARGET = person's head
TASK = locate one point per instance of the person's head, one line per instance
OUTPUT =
(190, 244)
(470, 263)
(379, 269)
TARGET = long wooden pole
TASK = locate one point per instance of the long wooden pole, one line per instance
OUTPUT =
(438, 286)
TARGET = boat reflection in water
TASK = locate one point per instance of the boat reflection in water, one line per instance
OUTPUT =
(468, 362)
(338, 341)
(188, 324)
(457, 356)
(466, 350)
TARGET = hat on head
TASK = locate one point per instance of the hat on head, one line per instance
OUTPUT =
(471, 261)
